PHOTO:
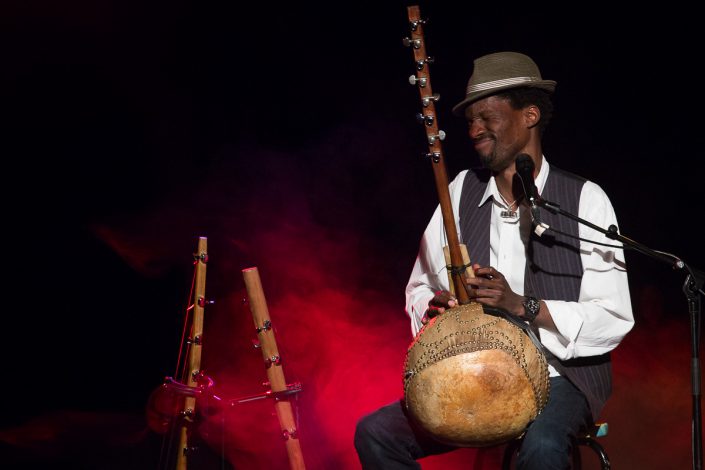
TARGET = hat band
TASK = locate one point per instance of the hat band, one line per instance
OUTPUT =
(501, 83)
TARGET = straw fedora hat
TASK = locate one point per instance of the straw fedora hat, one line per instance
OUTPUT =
(500, 71)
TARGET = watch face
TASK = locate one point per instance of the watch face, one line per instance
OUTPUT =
(531, 308)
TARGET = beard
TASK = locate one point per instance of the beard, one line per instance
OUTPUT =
(491, 161)
(497, 158)
(486, 159)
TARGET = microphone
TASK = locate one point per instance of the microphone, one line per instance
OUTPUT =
(525, 169)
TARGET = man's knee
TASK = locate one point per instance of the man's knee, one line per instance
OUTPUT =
(545, 451)
(368, 430)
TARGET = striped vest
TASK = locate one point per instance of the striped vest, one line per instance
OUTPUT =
(553, 266)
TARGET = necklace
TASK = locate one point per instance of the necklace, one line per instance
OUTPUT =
(508, 213)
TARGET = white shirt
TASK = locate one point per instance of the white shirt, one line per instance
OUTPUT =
(593, 325)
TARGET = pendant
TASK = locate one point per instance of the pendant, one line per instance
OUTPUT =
(508, 214)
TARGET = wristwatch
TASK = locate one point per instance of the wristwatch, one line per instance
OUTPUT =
(531, 308)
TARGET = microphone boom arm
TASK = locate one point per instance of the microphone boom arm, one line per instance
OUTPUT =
(612, 233)
(691, 288)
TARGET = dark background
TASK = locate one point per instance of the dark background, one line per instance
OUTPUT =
(285, 134)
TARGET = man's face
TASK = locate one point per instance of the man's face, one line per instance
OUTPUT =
(498, 131)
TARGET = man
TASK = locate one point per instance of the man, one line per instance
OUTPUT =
(573, 292)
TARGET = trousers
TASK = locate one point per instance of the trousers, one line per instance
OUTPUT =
(387, 439)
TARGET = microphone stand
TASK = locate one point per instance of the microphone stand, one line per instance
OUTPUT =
(691, 288)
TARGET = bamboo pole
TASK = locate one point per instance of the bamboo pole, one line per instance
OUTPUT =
(273, 364)
(195, 348)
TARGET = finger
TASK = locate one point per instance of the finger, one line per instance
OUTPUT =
(487, 294)
(482, 281)
(481, 271)
(443, 299)
(488, 273)
(435, 311)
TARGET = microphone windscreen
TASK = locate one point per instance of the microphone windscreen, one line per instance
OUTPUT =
(523, 163)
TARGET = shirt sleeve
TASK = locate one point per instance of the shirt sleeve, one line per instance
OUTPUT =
(602, 316)
(429, 273)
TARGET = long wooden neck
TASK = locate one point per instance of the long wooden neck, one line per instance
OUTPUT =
(429, 119)
(195, 347)
(273, 364)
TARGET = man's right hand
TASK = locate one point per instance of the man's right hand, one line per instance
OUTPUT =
(439, 303)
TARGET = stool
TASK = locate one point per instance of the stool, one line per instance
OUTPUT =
(586, 438)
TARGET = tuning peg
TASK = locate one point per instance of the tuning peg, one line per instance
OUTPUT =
(267, 325)
(190, 450)
(200, 257)
(425, 119)
(420, 63)
(274, 359)
(440, 136)
(413, 25)
(197, 340)
(413, 79)
(415, 43)
(426, 100)
(435, 156)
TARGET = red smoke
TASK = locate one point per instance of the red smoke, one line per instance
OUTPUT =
(342, 332)
(334, 290)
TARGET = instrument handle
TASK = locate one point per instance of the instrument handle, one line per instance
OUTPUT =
(195, 349)
(429, 118)
(273, 364)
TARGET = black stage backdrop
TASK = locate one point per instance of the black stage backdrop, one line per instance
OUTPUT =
(285, 134)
